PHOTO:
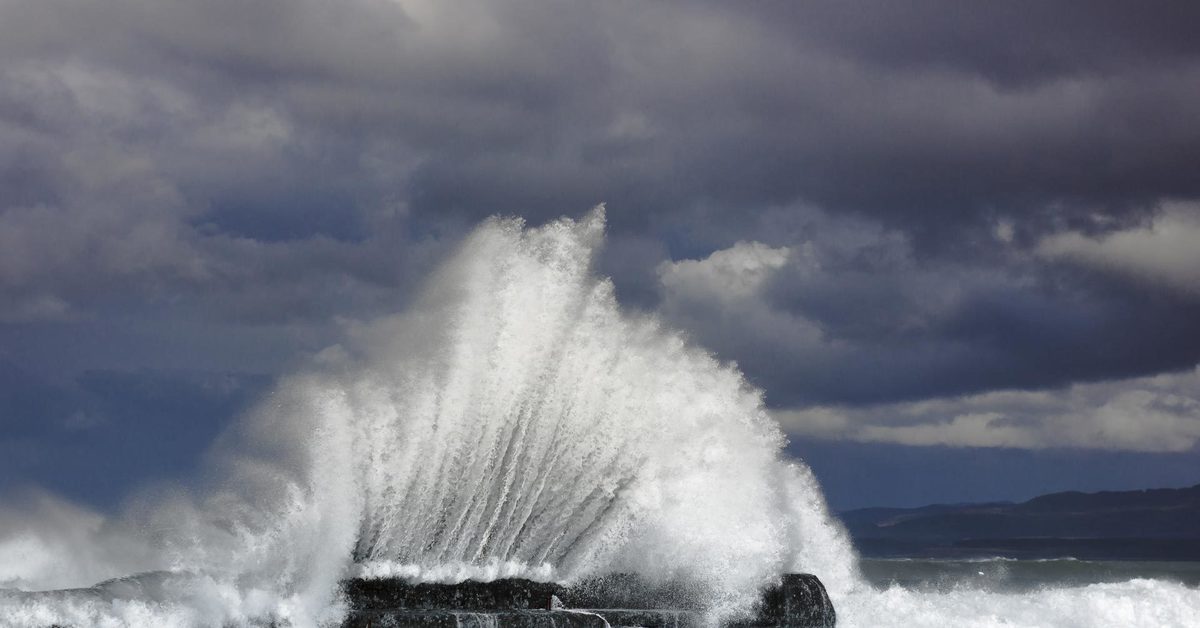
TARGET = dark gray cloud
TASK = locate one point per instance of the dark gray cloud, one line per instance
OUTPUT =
(167, 145)
(971, 198)
(1014, 42)
(844, 311)
(929, 117)
(742, 111)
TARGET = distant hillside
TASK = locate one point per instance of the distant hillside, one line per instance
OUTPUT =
(1160, 524)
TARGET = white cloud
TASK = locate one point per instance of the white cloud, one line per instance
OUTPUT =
(724, 300)
(727, 275)
(965, 430)
(1166, 251)
(1155, 414)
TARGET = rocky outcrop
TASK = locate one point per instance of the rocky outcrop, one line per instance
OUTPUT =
(522, 619)
(499, 595)
(799, 601)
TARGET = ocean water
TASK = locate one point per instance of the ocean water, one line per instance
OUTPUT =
(516, 422)
(1007, 575)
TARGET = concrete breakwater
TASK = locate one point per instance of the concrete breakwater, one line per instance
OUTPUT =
(799, 600)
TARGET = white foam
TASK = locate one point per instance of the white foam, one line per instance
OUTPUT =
(514, 423)
(518, 419)
(486, 571)
(1138, 603)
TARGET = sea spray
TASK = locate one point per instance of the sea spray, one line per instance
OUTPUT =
(514, 423)
(517, 423)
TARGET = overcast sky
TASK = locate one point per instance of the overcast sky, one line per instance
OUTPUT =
(957, 244)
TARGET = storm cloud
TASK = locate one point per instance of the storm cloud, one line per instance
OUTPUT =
(866, 205)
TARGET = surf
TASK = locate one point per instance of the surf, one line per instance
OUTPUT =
(515, 422)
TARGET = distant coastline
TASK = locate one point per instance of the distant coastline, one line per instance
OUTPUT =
(1154, 524)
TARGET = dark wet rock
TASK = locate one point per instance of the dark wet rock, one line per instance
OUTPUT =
(498, 595)
(799, 601)
(625, 590)
(521, 619)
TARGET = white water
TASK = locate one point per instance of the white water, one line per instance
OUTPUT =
(514, 423)
(1134, 604)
